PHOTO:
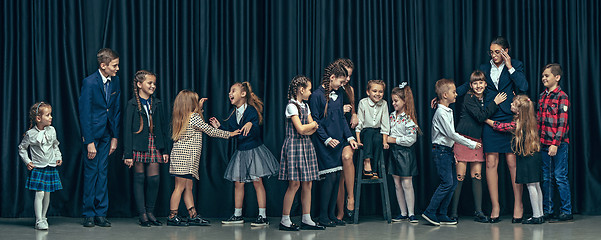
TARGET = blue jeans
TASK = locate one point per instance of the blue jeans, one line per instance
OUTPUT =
(556, 167)
(445, 166)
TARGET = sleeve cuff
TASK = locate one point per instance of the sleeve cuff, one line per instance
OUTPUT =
(350, 139)
(327, 141)
(398, 141)
(511, 70)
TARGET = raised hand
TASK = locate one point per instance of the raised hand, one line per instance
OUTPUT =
(501, 97)
(214, 122)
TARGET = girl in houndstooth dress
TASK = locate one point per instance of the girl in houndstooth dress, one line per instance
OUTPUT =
(298, 163)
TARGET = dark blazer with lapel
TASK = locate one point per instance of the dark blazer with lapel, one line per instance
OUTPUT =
(95, 113)
(508, 83)
(133, 141)
(253, 139)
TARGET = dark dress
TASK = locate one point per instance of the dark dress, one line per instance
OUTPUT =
(334, 125)
(493, 141)
(529, 169)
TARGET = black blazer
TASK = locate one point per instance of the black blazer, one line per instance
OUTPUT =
(473, 115)
(139, 142)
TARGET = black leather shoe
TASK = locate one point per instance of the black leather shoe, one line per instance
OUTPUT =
(349, 215)
(480, 217)
(293, 227)
(176, 221)
(156, 222)
(198, 221)
(565, 217)
(305, 226)
(533, 220)
(88, 222)
(145, 223)
(101, 221)
(327, 224)
(516, 220)
(494, 220)
(339, 222)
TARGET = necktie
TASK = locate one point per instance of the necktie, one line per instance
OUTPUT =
(106, 90)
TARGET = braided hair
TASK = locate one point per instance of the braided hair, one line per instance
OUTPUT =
(296, 83)
(36, 110)
(349, 65)
(140, 77)
(334, 69)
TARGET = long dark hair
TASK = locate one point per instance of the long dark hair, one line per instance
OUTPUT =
(337, 70)
(140, 77)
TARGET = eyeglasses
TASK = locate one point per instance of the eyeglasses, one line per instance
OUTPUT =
(497, 52)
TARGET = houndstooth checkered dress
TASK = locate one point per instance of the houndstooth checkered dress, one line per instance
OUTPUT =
(299, 160)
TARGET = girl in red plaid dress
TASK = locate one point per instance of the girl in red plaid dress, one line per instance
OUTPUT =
(299, 161)
(146, 143)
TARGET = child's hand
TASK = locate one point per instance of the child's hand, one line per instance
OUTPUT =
(113, 145)
(354, 144)
(30, 166)
(500, 98)
(201, 102)
(333, 143)
(246, 128)
(214, 122)
(489, 122)
(478, 145)
(128, 162)
(235, 133)
(354, 121)
(386, 146)
(166, 158)
(91, 151)
(316, 126)
(552, 150)
(347, 108)
(59, 162)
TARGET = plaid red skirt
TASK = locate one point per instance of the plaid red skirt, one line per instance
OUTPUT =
(151, 156)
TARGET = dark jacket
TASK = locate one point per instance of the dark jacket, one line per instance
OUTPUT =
(253, 139)
(96, 115)
(133, 141)
(473, 115)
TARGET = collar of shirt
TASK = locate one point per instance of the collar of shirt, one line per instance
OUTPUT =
(333, 95)
(40, 136)
(240, 112)
(104, 79)
(443, 107)
(372, 103)
(301, 104)
(555, 91)
(493, 65)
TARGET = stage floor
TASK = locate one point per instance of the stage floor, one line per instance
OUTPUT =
(583, 227)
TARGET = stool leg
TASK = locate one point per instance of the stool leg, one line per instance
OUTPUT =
(358, 182)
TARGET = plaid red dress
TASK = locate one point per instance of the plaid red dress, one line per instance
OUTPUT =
(299, 160)
(151, 156)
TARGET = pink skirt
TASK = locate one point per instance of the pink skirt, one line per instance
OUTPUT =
(465, 154)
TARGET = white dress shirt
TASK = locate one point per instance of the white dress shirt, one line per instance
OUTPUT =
(495, 72)
(443, 129)
(240, 112)
(292, 109)
(373, 115)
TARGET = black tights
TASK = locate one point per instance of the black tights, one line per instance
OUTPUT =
(329, 193)
(151, 170)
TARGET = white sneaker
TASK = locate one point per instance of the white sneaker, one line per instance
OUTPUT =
(41, 224)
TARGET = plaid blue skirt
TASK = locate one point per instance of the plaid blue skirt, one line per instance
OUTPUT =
(44, 179)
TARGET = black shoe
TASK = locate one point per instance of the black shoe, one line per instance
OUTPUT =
(549, 216)
(480, 217)
(153, 220)
(101, 221)
(198, 221)
(533, 220)
(516, 220)
(455, 218)
(233, 220)
(327, 224)
(305, 226)
(339, 222)
(562, 218)
(293, 227)
(494, 220)
(349, 215)
(260, 221)
(88, 222)
(145, 223)
(176, 221)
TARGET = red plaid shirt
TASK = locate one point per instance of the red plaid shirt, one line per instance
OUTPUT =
(503, 127)
(552, 117)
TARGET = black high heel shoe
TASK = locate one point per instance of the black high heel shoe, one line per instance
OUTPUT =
(153, 220)
(494, 220)
(349, 215)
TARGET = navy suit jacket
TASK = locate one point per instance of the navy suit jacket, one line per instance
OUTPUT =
(96, 115)
(253, 139)
(508, 83)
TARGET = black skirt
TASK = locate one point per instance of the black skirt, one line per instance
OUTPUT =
(402, 161)
(529, 169)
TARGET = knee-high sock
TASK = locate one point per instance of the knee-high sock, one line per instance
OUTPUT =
(139, 192)
(152, 190)
(45, 204)
(400, 195)
(326, 193)
(38, 204)
(477, 190)
(409, 195)
(535, 198)
(334, 196)
(456, 196)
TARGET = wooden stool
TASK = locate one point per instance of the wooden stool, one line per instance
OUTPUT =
(382, 180)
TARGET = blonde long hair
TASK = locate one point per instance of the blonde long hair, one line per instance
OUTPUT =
(185, 104)
(526, 140)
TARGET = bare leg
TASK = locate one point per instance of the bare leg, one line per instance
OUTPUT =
(176, 196)
(188, 196)
(347, 179)
(306, 197)
(289, 196)
(492, 179)
(260, 189)
(518, 207)
(238, 194)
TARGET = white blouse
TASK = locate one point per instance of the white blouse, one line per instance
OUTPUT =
(43, 146)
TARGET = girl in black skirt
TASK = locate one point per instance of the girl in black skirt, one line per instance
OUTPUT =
(526, 146)
(146, 143)
(402, 164)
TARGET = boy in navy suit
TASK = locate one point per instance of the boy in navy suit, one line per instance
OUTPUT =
(99, 113)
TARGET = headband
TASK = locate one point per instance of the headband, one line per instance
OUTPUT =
(38, 108)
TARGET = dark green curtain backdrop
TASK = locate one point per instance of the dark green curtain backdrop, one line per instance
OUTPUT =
(48, 47)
